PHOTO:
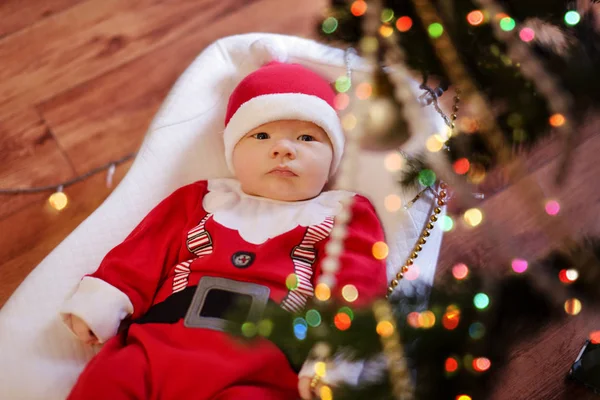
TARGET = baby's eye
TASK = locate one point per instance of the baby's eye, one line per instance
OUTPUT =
(261, 136)
(306, 138)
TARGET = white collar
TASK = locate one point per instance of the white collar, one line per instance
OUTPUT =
(258, 219)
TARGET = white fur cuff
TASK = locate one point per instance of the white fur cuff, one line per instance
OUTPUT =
(101, 305)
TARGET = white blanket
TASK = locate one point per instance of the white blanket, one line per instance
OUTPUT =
(39, 358)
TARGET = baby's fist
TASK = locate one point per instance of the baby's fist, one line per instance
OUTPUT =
(82, 330)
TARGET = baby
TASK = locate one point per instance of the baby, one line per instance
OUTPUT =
(212, 243)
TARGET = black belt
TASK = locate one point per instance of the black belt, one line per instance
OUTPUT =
(209, 304)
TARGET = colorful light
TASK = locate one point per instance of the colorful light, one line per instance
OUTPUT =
(476, 330)
(349, 122)
(451, 364)
(342, 84)
(460, 271)
(476, 173)
(380, 250)
(350, 293)
(403, 24)
(392, 202)
(322, 292)
(329, 25)
(341, 101)
(475, 17)
(573, 306)
(413, 319)
(364, 90)
(461, 166)
(557, 120)
(427, 319)
(300, 328)
(572, 18)
(435, 30)
(385, 328)
(481, 364)
(412, 274)
(393, 162)
(473, 216)
(292, 281)
(387, 15)
(572, 274)
(249, 329)
(552, 207)
(58, 200)
(348, 311)
(435, 143)
(358, 8)
(265, 327)
(519, 265)
(507, 24)
(562, 276)
(446, 223)
(481, 301)
(386, 30)
(451, 318)
(595, 337)
(313, 318)
(427, 177)
(463, 397)
(342, 321)
(527, 35)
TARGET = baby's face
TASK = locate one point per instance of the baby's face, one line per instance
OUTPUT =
(286, 160)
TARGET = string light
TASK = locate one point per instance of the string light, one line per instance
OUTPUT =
(451, 365)
(58, 200)
(313, 318)
(573, 306)
(413, 319)
(387, 15)
(350, 293)
(385, 328)
(249, 329)
(481, 301)
(435, 30)
(519, 265)
(358, 8)
(348, 311)
(572, 18)
(342, 84)
(481, 364)
(507, 24)
(342, 321)
(527, 35)
(329, 25)
(265, 327)
(475, 17)
(322, 292)
(300, 328)
(557, 120)
(386, 30)
(473, 216)
(364, 90)
(572, 274)
(380, 250)
(460, 271)
(463, 397)
(341, 101)
(451, 317)
(427, 319)
(461, 166)
(446, 223)
(403, 24)
(552, 207)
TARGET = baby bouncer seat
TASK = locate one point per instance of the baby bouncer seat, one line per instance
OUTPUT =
(39, 357)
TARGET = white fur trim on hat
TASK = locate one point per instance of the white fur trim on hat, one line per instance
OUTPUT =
(282, 106)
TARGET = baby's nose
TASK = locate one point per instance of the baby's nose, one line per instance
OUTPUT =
(283, 148)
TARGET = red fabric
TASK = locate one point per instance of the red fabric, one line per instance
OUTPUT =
(276, 77)
(172, 361)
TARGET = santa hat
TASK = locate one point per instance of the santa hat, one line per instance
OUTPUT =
(278, 91)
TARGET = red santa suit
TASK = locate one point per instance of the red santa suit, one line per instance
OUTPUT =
(213, 229)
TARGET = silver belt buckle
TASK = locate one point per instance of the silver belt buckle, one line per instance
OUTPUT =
(258, 293)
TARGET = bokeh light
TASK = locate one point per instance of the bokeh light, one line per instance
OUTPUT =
(341, 101)
(435, 30)
(364, 90)
(249, 329)
(342, 321)
(350, 293)
(413, 319)
(473, 216)
(413, 273)
(322, 292)
(427, 177)
(380, 250)
(527, 34)
(595, 337)
(427, 319)
(403, 24)
(476, 173)
(265, 327)
(446, 223)
(451, 317)
(552, 207)
(300, 328)
(435, 143)
(572, 275)
(572, 18)
(573, 306)
(349, 122)
(463, 397)
(476, 330)
(507, 24)
(481, 364)
(358, 8)
(481, 301)
(329, 25)
(313, 318)
(387, 14)
(393, 162)
(461, 166)
(451, 364)
(475, 17)
(348, 311)
(460, 271)
(58, 200)
(557, 120)
(342, 84)
(392, 202)
(385, 328)
(291, 281)
(386, 30)
(519, 265)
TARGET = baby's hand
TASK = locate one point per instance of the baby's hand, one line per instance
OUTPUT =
(306, 391)
(82, 330)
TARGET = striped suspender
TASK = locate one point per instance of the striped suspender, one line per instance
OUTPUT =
(198, 242)
(304, 256)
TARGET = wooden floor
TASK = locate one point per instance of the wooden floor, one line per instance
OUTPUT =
(81, 79)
